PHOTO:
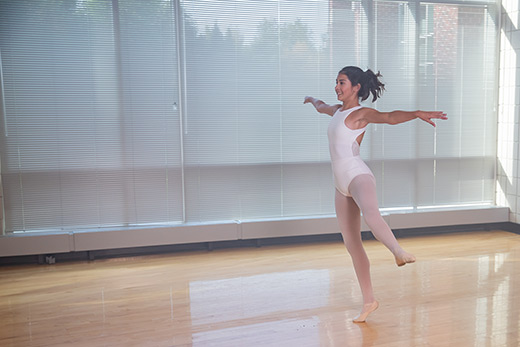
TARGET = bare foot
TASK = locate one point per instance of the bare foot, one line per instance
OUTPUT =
(403, 258)
(367, 309)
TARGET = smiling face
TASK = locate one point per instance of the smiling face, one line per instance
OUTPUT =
(344, 89)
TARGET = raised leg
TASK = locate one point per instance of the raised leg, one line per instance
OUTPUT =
(363, 191)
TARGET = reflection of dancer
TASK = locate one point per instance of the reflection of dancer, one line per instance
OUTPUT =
(355, 183)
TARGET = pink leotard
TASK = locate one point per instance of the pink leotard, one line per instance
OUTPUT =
(344, 151)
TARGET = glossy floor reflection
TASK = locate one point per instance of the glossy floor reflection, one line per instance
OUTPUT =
(464, 290)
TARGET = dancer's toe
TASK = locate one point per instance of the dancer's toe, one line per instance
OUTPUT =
(367, 309)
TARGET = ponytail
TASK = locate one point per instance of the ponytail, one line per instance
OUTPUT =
(368, 80)
(373, 85)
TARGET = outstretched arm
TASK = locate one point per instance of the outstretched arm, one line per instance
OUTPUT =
(320, 106)
(398, 117)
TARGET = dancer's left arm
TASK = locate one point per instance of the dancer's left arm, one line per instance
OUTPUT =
(397, 117)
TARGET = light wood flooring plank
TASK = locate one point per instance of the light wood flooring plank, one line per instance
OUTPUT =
(464, 290)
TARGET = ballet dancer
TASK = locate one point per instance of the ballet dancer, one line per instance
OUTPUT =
(355, 184)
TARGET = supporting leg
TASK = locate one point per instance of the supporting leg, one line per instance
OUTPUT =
(349, 220)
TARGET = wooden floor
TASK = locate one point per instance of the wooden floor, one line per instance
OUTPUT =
(463, 291)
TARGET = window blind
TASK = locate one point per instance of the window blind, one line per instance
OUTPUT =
(91, 136)
(115, 118)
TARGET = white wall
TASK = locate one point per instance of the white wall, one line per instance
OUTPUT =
(508, 178)
(48, 243)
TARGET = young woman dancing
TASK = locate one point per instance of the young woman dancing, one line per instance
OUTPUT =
(355, 183)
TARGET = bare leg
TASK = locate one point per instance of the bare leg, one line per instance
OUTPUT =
(363, 191)
(349, 220)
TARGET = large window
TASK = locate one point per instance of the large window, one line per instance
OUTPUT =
(118, 113)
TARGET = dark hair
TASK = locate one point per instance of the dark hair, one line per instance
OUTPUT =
(369, 81)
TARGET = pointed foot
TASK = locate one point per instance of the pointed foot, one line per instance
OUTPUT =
(367, 309)
(404, 258)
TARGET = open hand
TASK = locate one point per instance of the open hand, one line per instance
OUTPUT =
(427, 116)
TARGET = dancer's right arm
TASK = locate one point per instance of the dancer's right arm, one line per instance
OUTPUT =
(320, 106)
